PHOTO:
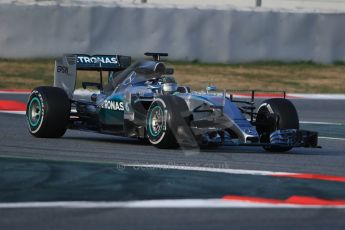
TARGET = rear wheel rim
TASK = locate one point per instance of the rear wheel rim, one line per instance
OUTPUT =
(34, 112)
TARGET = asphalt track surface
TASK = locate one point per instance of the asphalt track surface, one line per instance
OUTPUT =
(76, 147)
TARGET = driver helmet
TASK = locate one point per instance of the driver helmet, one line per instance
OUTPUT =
(169, 85)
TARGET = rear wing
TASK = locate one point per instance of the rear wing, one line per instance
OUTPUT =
(102, 62)
(65, 73)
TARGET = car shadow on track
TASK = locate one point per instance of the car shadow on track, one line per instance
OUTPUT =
(109, 139)
(129, 141)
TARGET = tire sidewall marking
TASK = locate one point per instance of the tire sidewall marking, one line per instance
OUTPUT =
(268, 106)
(34, 124)
(155, 134)
(163, 131)
(36, 94)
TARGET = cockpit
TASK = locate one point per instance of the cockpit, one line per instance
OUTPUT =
(145, 73)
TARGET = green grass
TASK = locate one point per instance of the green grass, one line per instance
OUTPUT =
(271, 75)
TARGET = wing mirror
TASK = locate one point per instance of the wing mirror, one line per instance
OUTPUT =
(211, 88)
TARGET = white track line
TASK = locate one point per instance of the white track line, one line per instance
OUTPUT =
(13, 112)
(321, 123)
(333, 138)
(178, 203)
(207, 169)
(13, 92)
(298, 96)
(317, 96)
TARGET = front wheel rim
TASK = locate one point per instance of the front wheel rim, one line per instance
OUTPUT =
(156, 121)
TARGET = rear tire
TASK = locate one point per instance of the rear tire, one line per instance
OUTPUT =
(167, 122)
(275, 114)
(47, 112)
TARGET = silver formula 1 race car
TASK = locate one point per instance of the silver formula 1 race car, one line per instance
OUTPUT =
(142, 100)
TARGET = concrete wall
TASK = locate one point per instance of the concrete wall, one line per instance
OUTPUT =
(333, 5)
(208, 35)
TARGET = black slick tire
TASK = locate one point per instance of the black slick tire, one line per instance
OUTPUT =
(47, 112)
(274, 114)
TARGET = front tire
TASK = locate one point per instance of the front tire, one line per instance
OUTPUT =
(47, 112)
(167, 123)
(275, 114)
